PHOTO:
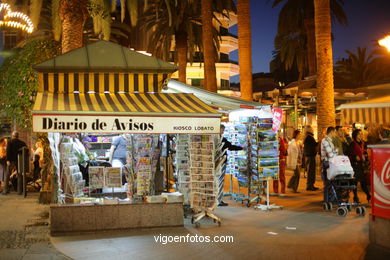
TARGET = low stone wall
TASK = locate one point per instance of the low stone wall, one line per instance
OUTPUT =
(379, 231)
(67, 219)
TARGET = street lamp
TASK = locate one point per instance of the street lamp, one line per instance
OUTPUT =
(385, 42)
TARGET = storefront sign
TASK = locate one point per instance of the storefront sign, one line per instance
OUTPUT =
(381, 182)
(277, 119)
(125, 124)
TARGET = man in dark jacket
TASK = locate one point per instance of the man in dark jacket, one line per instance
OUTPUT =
(12, 161)
(229, 146)
(310, 150)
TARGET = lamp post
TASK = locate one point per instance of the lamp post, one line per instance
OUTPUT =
(385, 42)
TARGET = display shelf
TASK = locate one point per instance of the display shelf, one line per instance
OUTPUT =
(204, 185)
(182, 166)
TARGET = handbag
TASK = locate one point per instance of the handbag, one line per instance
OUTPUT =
(325, 164)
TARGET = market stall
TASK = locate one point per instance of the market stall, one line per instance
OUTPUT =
(375, 110)
(93, 96)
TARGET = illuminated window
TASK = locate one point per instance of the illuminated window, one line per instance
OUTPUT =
(9, 40)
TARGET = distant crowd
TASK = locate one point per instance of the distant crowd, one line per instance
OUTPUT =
(10, 174)
(300, 153)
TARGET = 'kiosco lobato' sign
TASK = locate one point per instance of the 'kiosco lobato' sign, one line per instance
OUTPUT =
(125, 124)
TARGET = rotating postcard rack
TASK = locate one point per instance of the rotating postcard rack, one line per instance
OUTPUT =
(205, 164)
(236, 161)
(268, 158)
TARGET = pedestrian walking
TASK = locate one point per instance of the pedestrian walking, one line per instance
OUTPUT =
(12, 162)
(340, 141)
(310, 152)
(358, 158)
(282, 169)
(294, 160)
(328, 151)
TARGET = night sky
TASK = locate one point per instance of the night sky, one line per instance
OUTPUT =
(368, 20)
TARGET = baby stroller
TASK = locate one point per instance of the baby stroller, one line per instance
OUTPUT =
(341, 184)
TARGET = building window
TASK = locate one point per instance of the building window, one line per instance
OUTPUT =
(225, 84)
(223, 31)
(197, 82)
(223, 57)
(9, 40)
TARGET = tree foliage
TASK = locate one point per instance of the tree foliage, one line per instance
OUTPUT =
(19, 81)
(362, 67)
(293, 32)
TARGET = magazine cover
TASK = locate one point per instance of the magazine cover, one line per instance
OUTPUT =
(96, 177)
(113, 177)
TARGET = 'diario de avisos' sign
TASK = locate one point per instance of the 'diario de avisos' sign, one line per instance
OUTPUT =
(125, 124)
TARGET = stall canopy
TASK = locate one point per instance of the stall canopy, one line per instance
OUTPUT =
(106, 88)
(213, 99)
(376, 110)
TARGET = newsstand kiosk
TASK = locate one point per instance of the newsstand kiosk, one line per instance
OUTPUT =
(106, 89)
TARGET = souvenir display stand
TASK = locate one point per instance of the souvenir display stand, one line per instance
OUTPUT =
(236, 165)
(205, 166)
(268, 154)
(262, 154)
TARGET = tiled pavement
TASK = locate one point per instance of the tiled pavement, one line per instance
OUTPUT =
(317, 234)
(24, 230)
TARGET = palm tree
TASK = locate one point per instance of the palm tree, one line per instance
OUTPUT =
(292, 51)
(178, 23)
(297, 16)
(178, 20)
(325, 88)
(69, 17)
(244, 48)
(209, 53)
(73, 14)
(361, 68)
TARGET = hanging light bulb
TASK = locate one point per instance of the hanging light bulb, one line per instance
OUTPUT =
(25, 24)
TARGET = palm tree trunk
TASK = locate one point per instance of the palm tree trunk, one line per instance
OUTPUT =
(209, 55)
(73, 14)
(244, 49)
(311, 45)
(182, 48)
(325, 89)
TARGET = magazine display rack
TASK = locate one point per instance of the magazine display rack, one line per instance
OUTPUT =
(74, 183)
(236, 161)
(205, 164)
(144, 159)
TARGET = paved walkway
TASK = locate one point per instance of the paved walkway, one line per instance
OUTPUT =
(24, 230)
(300, 231)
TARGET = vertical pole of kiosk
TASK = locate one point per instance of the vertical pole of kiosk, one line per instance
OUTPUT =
(113, 192)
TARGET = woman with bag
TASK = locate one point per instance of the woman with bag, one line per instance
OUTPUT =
(294, 160)
(357, 158)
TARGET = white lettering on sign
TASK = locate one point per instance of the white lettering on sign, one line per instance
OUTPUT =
(125, 124)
